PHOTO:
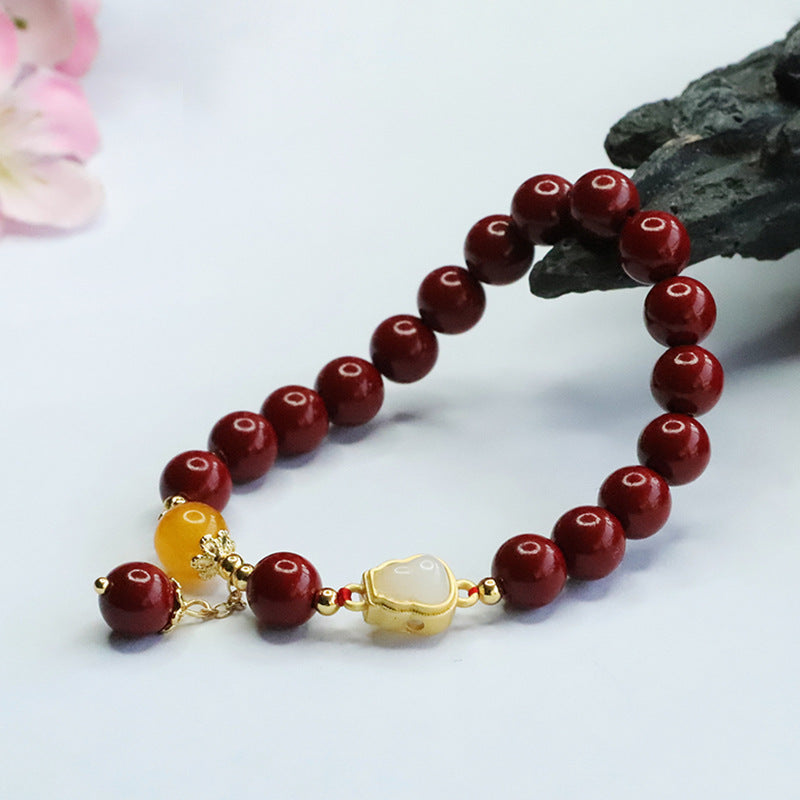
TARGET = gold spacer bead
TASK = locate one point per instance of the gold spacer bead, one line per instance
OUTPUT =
(240, 577)
(101, 585)
(228, 565)
(489, 592)
(325, 602)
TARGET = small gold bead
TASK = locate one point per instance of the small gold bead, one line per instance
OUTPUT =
(241, 576)
(326, 603)
(489, 592)
(101, 585)
(228, 565)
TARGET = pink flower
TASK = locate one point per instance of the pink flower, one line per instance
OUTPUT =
(55, 33)
(46, 131)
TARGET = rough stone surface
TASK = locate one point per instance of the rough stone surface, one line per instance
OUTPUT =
(724, 156)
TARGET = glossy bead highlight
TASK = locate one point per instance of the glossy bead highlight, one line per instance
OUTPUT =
(352, 390)
(592, 541)
(675, 446)
(653, 246)
(450, 300)
(639, 498)
(138, 599)
(197, 475)
(282, 589)
(246, 442)
(687, 380)
(601, 201)
(299, 418)
(496, 251)
(404, 348)
(530, 570)
(540, 208)
(679, 311)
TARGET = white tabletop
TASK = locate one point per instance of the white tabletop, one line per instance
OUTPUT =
(280, 176)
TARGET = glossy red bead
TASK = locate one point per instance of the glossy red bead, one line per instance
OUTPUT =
(282, 589)
(687, 379)
(138, 600)
(601, 201)
(530, 570)
(299, 418)
(246, 442)
(639, 498)
(540, 208)
(450, 300)
(404, 348)
(592, 541)
(197, 475)
(678, 311)
(496, 251)
(352, 390)
(653, 245)
(675, 446)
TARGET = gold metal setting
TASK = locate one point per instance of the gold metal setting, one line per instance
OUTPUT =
(489, 592)
(170, 503)
(217, 549)
(327, 602)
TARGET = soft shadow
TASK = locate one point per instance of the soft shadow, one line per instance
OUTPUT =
(590, 590)
(131, 644)
(403, 641)
(288, 636)
(530, 617)
(779, 342)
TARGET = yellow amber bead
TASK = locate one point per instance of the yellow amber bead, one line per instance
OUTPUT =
(178, 535)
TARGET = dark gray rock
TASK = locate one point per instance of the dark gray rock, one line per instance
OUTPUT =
(724, 157)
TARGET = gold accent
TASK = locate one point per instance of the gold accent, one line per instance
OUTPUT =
(202, 609)
(215, 547)
(356, 605)
(241, 576)
(170, 503)
(407, 616)
(489, 592)
(471, 597)
(326, 603)
(101, 585)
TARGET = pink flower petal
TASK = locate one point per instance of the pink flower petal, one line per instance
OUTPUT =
(58, 193)
(86, 43)
(63, 125)
(48, 35)
(91, 7)
(9, 51)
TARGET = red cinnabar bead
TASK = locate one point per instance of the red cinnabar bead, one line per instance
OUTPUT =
(281, 590)
(197, 475)
(246, 442)
(352, 390)
(676, 446)
(299, 418)
(679, 311)
(404, 348)
(540, 208)
(592, 541)
(138, 600)
(653, 246)
(602, 200)
(530, 570)
(639, 498)
(687, 379)
(496, 251)
(450, 300)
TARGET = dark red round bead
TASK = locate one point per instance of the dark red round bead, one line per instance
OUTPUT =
(246, 442)
(602, 200)
(138, 600)
(299, 418)
(496, 251)
(653, 246)
(530, 570)
(404, 348)
(282, 589)
(687, 379)
(639, 498)
(540, 208)
(679, 311)
(592, 541)
(352, 390)
(450, 300)
(199, 476)
(676, 446)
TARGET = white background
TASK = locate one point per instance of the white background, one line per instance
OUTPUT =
(280, 176)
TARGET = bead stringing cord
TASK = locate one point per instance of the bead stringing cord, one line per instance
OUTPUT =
(420, 594)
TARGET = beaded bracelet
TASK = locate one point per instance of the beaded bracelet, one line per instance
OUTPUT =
(420, 594)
